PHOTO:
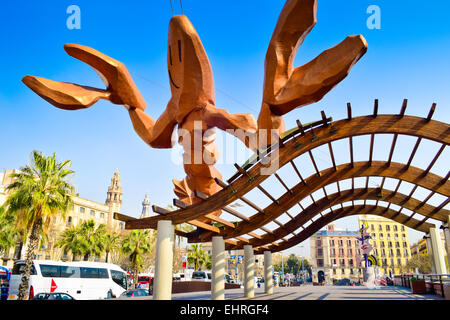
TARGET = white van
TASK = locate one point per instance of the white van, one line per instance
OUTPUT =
(82, 280)
(201, 276)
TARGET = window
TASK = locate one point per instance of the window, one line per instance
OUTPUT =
(319, 252)
(334, 262)
(341, 243)
(350, 252)
(19, 268)
(69, 221)
(380, 228)
(333, 251)
(405, 244)
(342, 261)
(334, 271)
(82, 210)
(50, 271)
(319, 243)
(350, 262)
(341, 252)
(349, 242)
(398, 252)
(388, 228)
(399, 262)
(372, 227)
(103, 273)
(89, 272)
(92, 213)
(397, 244)
(383, 253)
(390, 244)
(320, 262)
(331, 242)
(381, 236)
(70, 272)
(395, 228)
(120, 278)
(102, 215)
(403, 228)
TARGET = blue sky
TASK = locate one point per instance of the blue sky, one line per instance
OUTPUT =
(407, 58)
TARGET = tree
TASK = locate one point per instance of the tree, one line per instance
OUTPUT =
(111, 243)
(70, 240)
(136, 244)
(8, 233)
(40, 192)
(421, 261)
(84, 239)
(91, 239)
(196, 256)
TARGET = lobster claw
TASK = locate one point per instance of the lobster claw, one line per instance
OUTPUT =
(120, 86)
(64, 95)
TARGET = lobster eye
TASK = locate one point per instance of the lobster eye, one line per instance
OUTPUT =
(179, 50)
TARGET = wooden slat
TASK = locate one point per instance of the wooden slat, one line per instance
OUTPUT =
(332, 155)
(411, 157)
(372, 138)
(403, 109)
(391, 152)
(434, 159)
(431, 112)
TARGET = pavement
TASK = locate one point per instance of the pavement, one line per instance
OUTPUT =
(309, 292)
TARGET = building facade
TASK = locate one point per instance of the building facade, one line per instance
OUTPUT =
(83, 209)
(390, 241)
(334, 255)
(421, 248)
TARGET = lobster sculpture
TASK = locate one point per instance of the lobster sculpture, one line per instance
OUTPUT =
(192, 105)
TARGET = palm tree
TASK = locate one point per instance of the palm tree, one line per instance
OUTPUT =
(40, 192)
(135, 245)
(91, 239)
(70, 240)
(111, 243)
(8, 234)
(196, 256)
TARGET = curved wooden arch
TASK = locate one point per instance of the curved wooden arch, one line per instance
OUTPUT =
(335, 215)
(344, 196)
(292, 148)
(331, 175)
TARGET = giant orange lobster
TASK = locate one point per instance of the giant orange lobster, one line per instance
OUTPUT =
(192, 107)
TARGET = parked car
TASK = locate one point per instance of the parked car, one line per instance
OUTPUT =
(344, 282)
(229, 279)
(201, 276)
(135, 293)
(53, 296)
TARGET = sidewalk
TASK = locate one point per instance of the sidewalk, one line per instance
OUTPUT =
(317, 293)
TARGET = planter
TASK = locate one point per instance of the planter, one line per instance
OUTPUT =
(418, 287)
(447, 291)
